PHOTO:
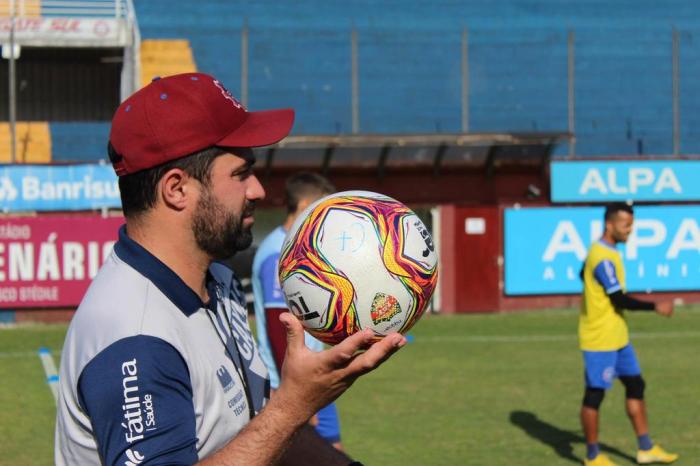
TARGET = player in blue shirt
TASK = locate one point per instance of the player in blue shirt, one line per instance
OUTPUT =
(302, 189)
(159, 366)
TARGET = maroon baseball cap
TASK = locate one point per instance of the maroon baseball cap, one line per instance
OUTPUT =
(176, 116)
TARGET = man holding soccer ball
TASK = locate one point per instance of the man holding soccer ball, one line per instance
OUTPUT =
(604, 339)
(159, 365)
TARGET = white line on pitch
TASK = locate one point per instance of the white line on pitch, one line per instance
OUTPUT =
(50, 371)
(544, 338)
(472, 339)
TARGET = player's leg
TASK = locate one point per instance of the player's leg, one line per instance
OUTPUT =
(630, 375)
(599, 370)
(328, 425)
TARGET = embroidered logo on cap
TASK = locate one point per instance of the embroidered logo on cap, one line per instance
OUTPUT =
(228, 95)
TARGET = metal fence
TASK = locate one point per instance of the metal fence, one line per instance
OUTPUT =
(619, 90)
(60, 8)
(622, 91)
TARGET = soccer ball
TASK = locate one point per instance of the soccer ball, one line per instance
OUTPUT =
(357, 259)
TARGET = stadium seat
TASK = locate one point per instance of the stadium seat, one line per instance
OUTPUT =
(165, 57)
(25, 8)
(518, 73)
(79, 141)
(33, 142)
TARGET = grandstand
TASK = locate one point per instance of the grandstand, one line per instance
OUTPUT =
(409, 67)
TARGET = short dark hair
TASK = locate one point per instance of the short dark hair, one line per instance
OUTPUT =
(303, 185)
(612, 209)
(138, 190)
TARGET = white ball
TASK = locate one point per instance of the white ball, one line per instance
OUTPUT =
(354, 260)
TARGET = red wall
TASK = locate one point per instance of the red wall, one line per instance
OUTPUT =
(470, 270)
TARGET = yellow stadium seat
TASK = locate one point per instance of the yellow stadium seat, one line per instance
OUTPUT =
(23, 8)
(33, 143)
(165, 57)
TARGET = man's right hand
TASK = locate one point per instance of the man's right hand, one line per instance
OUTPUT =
(311, 380)
(664, 308)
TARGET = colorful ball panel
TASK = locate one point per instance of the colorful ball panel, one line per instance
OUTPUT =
(354, 260)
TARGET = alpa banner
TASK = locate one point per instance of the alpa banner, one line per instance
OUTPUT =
(58, 187)
(545, 248)
(50, 261)
(635, 180)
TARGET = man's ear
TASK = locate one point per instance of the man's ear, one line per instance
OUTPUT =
(176, 189)
(607, 225)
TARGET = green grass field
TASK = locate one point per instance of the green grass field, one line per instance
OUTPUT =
(490, 390)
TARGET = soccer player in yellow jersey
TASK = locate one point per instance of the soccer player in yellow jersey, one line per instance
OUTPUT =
(603, 336)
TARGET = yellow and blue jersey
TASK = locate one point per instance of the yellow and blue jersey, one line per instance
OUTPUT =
(602, 327)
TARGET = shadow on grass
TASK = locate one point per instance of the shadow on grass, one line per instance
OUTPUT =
(561, 441)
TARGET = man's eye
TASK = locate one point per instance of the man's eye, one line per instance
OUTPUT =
(244, 172)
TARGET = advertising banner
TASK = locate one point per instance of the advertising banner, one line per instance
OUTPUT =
(49, 261)
(545, 248)
(42, 30)
(635, 180)
(58, 187)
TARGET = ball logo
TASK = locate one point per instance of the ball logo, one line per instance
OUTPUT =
(299, 308)
(384, 307)
(429, 246)
(227, 95)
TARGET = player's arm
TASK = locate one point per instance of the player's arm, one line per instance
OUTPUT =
(274, 305)
(309, 381)
(276, 334)
(138, 396)
(605, 274)
(624, 301)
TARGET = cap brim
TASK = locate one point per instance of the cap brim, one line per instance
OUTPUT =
(261, 129)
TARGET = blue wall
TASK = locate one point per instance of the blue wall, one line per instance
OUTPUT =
(409, 53)
(79, 142)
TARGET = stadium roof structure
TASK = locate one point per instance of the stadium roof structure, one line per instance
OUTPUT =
(418, 168)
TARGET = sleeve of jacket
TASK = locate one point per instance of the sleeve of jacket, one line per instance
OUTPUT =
(138, 395)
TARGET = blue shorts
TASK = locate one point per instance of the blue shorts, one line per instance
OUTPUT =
(328, 425)
(601, 367)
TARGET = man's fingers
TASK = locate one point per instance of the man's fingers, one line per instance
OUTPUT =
(295, 331)
(341, 353)
(375, 355)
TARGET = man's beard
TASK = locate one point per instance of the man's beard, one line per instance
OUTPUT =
(220, 233)
(619, 237)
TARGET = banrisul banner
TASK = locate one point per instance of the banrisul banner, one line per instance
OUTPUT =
(636, 180)
(58, 187)
(545, 248)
